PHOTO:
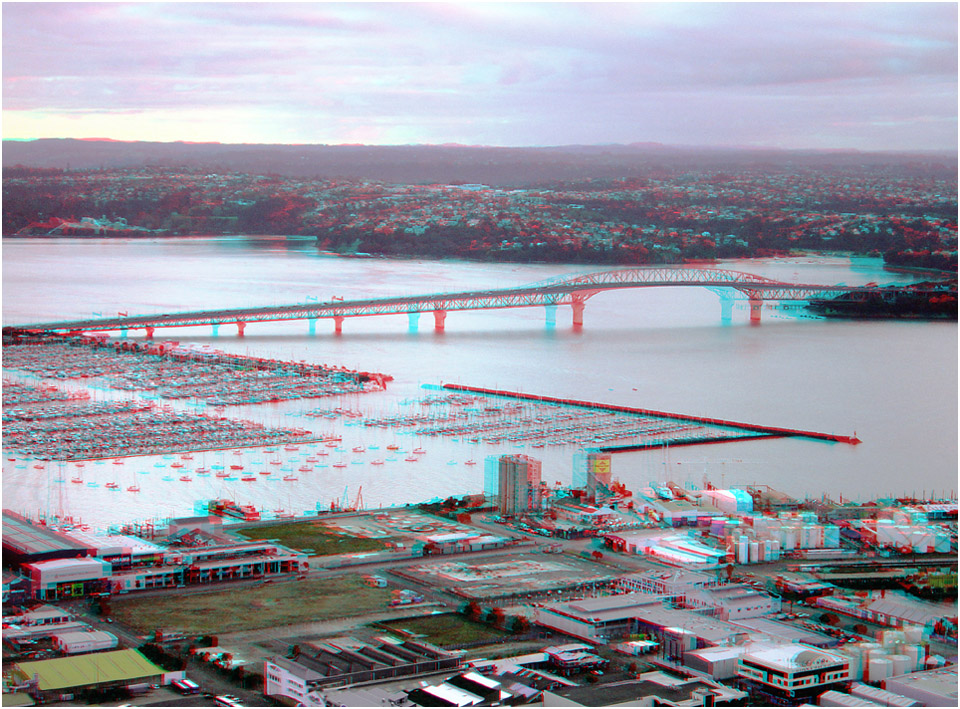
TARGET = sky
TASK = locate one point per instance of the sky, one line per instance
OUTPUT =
(867, 76)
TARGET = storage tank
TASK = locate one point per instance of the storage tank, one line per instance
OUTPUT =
(889, 638)
(831, 536)
(767, 551)
(915, 654)
(855, 653)
(754, 552)
(743, 550)
(878, 670)
(900, 664)
(775, 549)
(913, 634)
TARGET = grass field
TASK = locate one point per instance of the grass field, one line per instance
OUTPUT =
(314, 536)
(447, 629)
(263, 606)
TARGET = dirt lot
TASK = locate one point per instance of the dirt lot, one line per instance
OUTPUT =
(448, 629)
(313, 535)
(265, 606)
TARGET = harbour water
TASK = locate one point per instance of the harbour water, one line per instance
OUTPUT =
(894, 383)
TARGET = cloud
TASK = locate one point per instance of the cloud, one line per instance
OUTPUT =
(507, 70)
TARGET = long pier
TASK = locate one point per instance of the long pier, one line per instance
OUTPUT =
(765, 431)
(572, 290)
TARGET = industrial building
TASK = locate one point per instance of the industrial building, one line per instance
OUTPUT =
(932, 688)
(651, 689)
(342, 661)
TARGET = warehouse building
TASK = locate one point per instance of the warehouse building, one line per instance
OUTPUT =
(63, 678)
(793, 671)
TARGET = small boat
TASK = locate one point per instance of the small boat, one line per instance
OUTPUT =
(378, 461)
(176, 465)
(418, 451)
(451, 462)
(290, 478)
(236, 467)
(276, 462)
(470, 462)
(38, 467)
(305, 468)
(186, 456)
(339, 464)
(78, 481)
(331, 444)
(93, 484)
(112, 486)
(291, 448)
(168, 478)
(249, 478)
(411, 459)
(201, 471)
(223, 474)
(118, 462)
(323, 452)
(133, 488)
(264, 472)
(359, 449)
(185, 479)
(393, 447)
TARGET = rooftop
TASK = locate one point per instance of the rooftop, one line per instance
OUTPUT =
(87, 670)
(26, 538)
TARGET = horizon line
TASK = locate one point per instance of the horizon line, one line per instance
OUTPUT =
(638, 144)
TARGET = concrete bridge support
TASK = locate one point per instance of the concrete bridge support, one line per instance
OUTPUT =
(338, 324)
(123, 333)
(150, 333)
(439, 318)
(756, 306)
(726, 308)
(413, 321)
(312, 326)
(241, 326)
(578, 305)
(216, 329)
(551, 315)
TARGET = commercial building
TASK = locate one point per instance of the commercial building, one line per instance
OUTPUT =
(519, 485)
(75, 642)
(597, 620)
(793, 671)
(26, 542)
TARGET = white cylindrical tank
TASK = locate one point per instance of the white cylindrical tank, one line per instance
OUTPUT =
(856, 661)
(915, 654)
(892, 638)
(878, 670)
(743, 550)
(754, 552)
(775, 548)
(767, 551)
(870, 651)
(913, 634)
(900, 664)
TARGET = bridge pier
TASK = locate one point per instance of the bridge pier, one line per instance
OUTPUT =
(150, 333)
(413, 321)
(338, 324)
(551, 315)
(756, 306)
(726, 309)
(312, 322)
(216, 329)
(123, 333)
(439, 318)
(578, 305)
(241, 326)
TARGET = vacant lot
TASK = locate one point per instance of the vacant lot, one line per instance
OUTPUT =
(448, 629)
(320, 540)
(263, 606)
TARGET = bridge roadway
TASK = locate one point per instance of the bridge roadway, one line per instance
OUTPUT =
(565, 290)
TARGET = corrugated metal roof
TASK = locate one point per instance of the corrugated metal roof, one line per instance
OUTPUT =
(27, 538)
(86, 670)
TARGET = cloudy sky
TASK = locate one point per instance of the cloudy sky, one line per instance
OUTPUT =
(871, 76)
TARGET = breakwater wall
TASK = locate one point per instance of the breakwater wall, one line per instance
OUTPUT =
(768, 430)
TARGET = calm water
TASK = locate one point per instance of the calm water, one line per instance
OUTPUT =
(894, 383)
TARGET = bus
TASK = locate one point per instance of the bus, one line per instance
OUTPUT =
(185, 686)
(227, 700)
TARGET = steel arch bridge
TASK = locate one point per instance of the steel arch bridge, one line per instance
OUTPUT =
(572, 290)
